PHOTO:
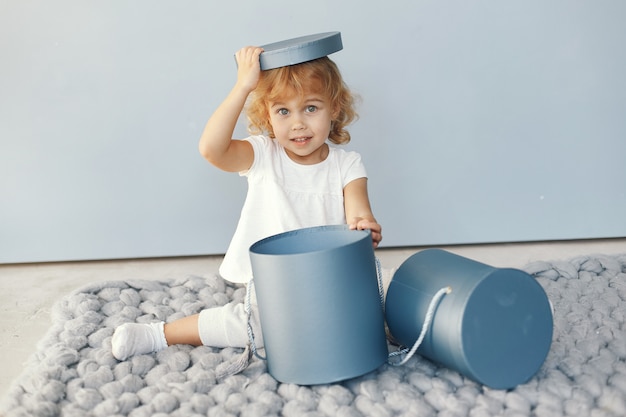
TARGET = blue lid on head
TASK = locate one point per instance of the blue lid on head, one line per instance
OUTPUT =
(299, 50)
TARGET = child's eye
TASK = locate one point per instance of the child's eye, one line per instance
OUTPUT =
(283, 112)
(311, 109)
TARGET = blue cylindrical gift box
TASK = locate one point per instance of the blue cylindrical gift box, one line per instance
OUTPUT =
(495, 326)
(319, 304)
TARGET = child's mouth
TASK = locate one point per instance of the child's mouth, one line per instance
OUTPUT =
(300, 140)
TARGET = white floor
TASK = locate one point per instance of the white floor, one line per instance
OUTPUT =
(28, 291)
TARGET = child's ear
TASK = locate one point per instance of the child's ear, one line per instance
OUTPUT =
(335, 114)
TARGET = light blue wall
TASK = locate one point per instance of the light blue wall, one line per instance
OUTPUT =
(481, 121)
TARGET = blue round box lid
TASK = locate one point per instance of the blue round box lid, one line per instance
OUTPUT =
(299, 50)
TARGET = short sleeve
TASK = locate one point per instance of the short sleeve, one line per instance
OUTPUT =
(260, 146)
(352, 167)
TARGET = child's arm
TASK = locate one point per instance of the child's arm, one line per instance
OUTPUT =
(216, 143)
(358, 210)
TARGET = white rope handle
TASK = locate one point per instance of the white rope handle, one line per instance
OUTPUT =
(236, 366)
(379, 278)
(248, 308)
(434, 302)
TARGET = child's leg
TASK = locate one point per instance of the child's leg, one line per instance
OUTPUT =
(183, 331)
(225, 326)
(138, 338)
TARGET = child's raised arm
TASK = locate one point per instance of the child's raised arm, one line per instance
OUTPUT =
(359, 214)
(216, 143)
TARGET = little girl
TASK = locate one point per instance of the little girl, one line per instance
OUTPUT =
(295, 180)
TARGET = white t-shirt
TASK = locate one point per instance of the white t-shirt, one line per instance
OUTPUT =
(284, 195)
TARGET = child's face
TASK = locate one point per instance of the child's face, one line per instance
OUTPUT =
(301, 124)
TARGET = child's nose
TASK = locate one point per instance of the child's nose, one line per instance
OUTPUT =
(298, 123)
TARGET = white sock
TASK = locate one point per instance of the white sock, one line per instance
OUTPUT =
(137, 338)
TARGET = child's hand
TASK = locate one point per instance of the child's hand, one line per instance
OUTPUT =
(365, 224)
(248, 67)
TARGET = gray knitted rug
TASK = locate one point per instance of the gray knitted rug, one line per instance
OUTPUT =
(74, 373)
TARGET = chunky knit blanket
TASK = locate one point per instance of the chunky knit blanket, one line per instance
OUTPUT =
(74, 374)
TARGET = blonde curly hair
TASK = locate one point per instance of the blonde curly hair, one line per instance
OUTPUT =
(320, 76)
